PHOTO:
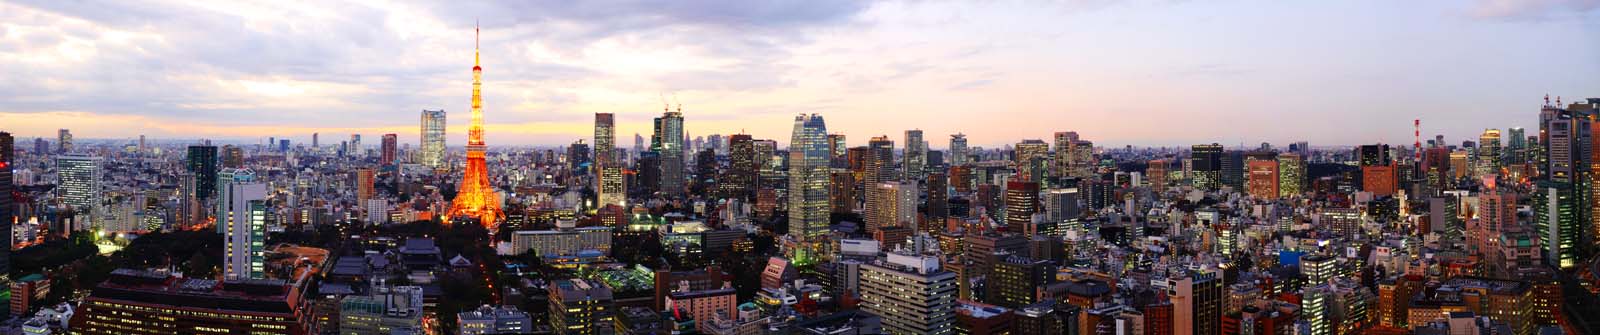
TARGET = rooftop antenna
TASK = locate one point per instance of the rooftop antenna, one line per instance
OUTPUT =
(675, 101)
(1547, 99)
(664, 106)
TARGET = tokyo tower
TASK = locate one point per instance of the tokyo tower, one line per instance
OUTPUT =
(476, 198)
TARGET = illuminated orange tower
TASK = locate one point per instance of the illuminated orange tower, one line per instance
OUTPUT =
(476, 198)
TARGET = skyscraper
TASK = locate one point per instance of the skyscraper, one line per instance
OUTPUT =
(891, 204)
(433, 132)
(809, 158)
(958, 149)
(475, 196)
(915, 157)
(80, 180)
(222, 210)
(605, 139)
(911, 294)
(1291, 175)
(1263, 179)
(8, 210)
(391, 148)
(316, 141)
(202, 163)
(1032, 159)
(1022, 201)
(837, 151)
(1489, 154)
(879, 161)
(1207, 162)
(742, 169)
(245, 229)
(232, 156)
(669, 144)
(64, 141)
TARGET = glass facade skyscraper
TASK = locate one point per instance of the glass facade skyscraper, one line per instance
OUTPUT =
(809, 158)
(432, 153)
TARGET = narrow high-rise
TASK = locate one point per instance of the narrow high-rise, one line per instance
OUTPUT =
(668, 143)
(245, 231)
(809, 158)
(612, 185)
(432, 151)
(958, 150)
(390, 149)
(915, 156)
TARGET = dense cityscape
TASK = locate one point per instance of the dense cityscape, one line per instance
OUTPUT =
(893, 232)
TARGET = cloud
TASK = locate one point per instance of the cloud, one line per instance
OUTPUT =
(1533, 9)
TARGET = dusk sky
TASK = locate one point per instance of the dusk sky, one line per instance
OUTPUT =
(1117, 72)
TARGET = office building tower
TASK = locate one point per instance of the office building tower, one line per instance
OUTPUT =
(1014, 282)
(489, 320)
(704, 306)
(938, 203)
(842, 191)
(232, 156)
(8, 209)
(1206, 160)
(1233, 170)
(613, 188)
(1489, 153)
(355, 149)
(202, 163)
(1516, 151)
(808, 177)
(433, 132)
(79, 185)
(911, 294)
(366, 188)
(1156, 172)
(63, 141)
(915, 157)
(891, 204)
(1291, 175)
(879, 162)
(147, 303)
(740, 182)
(1061, 205)
(475, 196)
(1197, 301)
(390, 149)
(605, 140)
(221, 208)
(668, 142)
(1063, 153)
(1032, 159)
(958, 149)
(1022, 201)
(582, 307)
(1380, 180)
(1263, 179)
(40, 146)
(317, 142)
(142, 147)
(1556, 211)
(245, 229)
(283, 145)
(838, 151)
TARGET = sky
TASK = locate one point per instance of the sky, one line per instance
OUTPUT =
(1119, 73)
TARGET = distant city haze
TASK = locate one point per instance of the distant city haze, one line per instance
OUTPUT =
(1140, 73)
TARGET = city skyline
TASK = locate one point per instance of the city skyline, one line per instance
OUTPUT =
(1123, 73)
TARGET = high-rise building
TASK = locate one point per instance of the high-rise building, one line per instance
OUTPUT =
(79, 184)
(1233, 170)
(8, 209)
(1489, 154)
(1014, 282)
(245, 229)
(838, 151)
(808, 177)
(842, 193)
(475, 197)
(1197, 301)
(148, 303)
(879, 162)
(915, 157)
(63, 141)
(1263, 179)
(1063, 153)
(355, 149)
(605, 139)
(613, 188)
(1156, 172)
(232, 156)
(582, 307)
(938, 204)
(221, 211)
(1291, 175)
(1207, 166)
(387, 310)
(1556, 211)
(433, 132)
(891, 204)
(740, 182)
(202, 163)
(316, 141)
(1032, 159)
(911, 294)
(390, 149)
(958, 149)
(1022, 201)
(668, 142)
(1380, 180)
(366, 188)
